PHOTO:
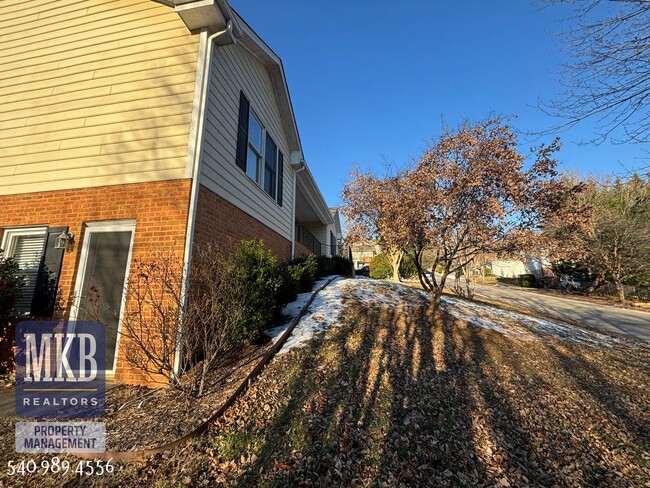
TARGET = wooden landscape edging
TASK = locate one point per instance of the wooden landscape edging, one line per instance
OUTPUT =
(126, 456)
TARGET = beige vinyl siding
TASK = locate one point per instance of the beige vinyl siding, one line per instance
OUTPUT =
(319, 231)
(93, 92)
(235, 69)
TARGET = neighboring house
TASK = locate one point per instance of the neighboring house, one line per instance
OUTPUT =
(128, 128)
(511, 268)
(363, 252)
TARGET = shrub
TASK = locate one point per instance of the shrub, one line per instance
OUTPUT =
(325, 266)
(230, 303)
(342, 266)
(407, 268)
(305, 270)
(289, 285)
(487, 271)
(11, 285)
(527, 280)
(256, 277)
(380, 267)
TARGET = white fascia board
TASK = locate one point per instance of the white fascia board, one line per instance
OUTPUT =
(258, 48)
(201, 14)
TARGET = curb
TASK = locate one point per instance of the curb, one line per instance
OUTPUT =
(126, 456)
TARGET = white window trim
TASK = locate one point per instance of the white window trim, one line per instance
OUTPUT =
(99, 227)
(261, 168)
(10, 234)
(250, 145)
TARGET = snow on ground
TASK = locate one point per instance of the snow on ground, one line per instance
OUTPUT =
(325, 311)
(322, 315)
(378, 293)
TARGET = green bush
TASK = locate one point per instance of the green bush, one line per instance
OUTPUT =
(289, 285)
(380, 267)
(407, 268)
(11, 285)
(487, 271)
(342, 266)
(304, 270)
(325, 266)
(255, 274)
(527, 280)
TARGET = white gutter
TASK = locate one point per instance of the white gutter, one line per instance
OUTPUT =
(195, 175)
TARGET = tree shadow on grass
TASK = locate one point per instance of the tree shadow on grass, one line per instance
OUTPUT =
(587, 376)
(397, 395)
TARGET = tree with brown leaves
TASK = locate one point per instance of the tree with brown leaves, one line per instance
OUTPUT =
(373, 207)
(476, 197)
(613, 241)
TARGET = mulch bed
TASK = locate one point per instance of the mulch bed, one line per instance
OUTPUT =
(138, 417)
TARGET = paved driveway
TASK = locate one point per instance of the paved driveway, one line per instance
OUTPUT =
(621, 320)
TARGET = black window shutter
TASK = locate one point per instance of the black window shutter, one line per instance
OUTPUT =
(242, 131)
(47, 280)
(280, 176)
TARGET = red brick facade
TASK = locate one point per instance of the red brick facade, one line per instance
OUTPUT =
(301, 250)
(159, 208)
(220, 222)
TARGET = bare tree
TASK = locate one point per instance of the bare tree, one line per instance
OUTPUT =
(209, 329)
(608, 77)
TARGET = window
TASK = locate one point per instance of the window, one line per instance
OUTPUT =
(257, 153)
(25, 246)
(254, 156)
(34, 249)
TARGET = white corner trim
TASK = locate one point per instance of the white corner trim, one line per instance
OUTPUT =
(197, 119)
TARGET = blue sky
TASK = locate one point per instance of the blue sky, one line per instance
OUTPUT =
(372, 80)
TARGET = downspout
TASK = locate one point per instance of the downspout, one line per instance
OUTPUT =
(194, 192)
(293, 211)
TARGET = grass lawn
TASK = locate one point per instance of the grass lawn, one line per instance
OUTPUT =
(396, 397)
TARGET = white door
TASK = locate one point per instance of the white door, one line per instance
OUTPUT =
(103, 271)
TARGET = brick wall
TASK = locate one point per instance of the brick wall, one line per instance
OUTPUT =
(220, 222)
(301, 250)
(159, 209)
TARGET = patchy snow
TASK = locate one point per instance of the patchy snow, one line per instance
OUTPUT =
(322, 314)
(325, 311)
(377, 293)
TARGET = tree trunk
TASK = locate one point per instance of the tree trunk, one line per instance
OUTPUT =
(468, 286)
(620, 289)
(600, 279)
(435, 299)
(395, 261)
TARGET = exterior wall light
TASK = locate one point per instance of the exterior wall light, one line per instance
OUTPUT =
(64, 240)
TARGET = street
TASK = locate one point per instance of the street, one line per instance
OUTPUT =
(607, 317)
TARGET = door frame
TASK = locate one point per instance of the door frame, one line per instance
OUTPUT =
(98, 228)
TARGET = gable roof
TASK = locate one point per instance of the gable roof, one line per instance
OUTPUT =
(214, 15)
